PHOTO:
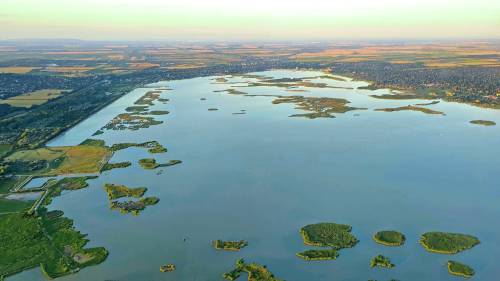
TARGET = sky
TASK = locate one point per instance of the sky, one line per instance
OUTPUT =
(249, 19)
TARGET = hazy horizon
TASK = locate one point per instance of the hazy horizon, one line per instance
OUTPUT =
(225, 20)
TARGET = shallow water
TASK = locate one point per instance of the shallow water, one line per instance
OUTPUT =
(263, 175)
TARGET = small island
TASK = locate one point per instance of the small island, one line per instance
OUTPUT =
(460, 269)
(337, 236)
(116, 191)
(411, 108)
(381, 261)
(150, 163)
(315, 255)
(134, 207)
(256, 272)
(229, 245)
(483, 122)
(447, 243)
(111, 166)
(152, 146)
(318, 107)
(167, 268)
(133, 122)
(389, 238)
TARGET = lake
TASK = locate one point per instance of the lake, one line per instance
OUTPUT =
(262, 175)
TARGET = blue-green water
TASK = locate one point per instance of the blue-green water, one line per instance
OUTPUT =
(261, 176)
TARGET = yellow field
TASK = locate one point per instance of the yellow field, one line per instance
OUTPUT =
(16, 69)
(83, 159)
(80, 159)
(70, 69)
(431, 55)
(34, 98)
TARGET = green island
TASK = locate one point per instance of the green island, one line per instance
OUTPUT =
(336, 236)
(94, 142)
(158, 112)
(148, 98)
(315, 255)
(398, 96)
(143, 110)
(256, 272)
(137, 108)
(152, 146)
(389, 238)
(229, 245)
(483, 122)
(150, 163)
(111, 166)
(116, 191)
(133, 122)
(319, 107)
(411, 108)
(134, 207)
(460, 269)
(381, 261)
(231, 92)
(447, 243)
(428, 103)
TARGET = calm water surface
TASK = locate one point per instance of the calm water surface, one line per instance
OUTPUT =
(261, 176)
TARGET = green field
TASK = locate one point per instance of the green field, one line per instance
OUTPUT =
(7, 205)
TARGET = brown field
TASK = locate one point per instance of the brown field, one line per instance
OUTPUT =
(185, 66)
(142, 65)
(27, 100)
(16, 69)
